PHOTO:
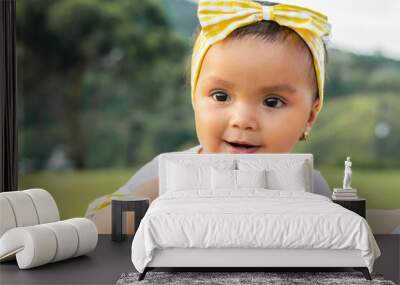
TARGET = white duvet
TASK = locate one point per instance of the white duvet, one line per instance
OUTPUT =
(250, 218)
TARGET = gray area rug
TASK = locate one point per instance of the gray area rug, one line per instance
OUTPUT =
(225, 278)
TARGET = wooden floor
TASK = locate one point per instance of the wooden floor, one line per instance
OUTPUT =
(110, 259)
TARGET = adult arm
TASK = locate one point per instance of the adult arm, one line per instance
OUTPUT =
(144, 183)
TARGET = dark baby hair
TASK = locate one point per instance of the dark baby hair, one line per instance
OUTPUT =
(269, 31)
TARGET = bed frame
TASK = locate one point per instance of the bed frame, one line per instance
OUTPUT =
(248, 259)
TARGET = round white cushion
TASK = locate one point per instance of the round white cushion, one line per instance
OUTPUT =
(40, 244)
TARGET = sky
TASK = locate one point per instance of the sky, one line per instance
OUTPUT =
(361, 26)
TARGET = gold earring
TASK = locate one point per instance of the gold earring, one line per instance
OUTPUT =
(305, 135)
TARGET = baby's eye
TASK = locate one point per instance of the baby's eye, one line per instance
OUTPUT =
(220, 96)
(274, 102)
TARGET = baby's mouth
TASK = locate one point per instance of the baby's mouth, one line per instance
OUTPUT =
(234, 147)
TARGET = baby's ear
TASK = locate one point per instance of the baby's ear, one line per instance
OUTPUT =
(313, 113)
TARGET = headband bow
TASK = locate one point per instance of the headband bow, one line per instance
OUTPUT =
(218, 18)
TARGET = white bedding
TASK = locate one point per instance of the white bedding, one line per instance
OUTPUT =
(251, 218)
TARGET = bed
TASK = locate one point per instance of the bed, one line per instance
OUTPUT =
(247, 210)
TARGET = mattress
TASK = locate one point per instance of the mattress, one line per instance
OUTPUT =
(250, 219)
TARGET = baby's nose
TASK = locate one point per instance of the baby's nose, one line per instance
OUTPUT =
(244, 116)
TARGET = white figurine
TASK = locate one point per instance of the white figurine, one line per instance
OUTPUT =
(347, 174)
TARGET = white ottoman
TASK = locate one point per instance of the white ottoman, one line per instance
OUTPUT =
(31, 233)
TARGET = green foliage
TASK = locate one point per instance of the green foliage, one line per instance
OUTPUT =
(349, 73)
(79, 61)
(347, 126)
(183, 16)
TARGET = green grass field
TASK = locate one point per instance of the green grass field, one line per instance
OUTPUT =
(75, 190)
(380, 187)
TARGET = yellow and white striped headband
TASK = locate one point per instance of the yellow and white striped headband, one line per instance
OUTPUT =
(218, 18)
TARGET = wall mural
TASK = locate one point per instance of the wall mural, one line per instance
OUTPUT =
(112, 91)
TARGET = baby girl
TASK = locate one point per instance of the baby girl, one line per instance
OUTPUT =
(257, 79)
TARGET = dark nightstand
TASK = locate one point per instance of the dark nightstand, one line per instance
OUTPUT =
(121, 205)
(357, 205)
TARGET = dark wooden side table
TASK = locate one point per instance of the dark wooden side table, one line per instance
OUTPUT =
(357, 205)
(126, 204)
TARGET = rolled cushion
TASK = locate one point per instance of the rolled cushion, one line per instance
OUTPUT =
(26, 208)
(87, 234)
(33, 246)
(66, 239)
(7, 218)
(23, 208)
(46, 207)
(40, 244)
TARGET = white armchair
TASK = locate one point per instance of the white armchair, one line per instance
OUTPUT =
(31, 231)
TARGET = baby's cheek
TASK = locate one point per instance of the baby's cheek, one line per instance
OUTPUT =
(209, 128)
(206, 125)
(278, 136)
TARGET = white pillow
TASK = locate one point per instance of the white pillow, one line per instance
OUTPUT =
(293, 179)
(223, 179)
(281, 174)
(228, 179)
(187, 177)
(193, 174)
(251, 178)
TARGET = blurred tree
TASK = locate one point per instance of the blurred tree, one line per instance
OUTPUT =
(349, 73)
(60, 43)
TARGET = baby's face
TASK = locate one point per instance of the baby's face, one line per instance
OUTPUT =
(254, 92)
